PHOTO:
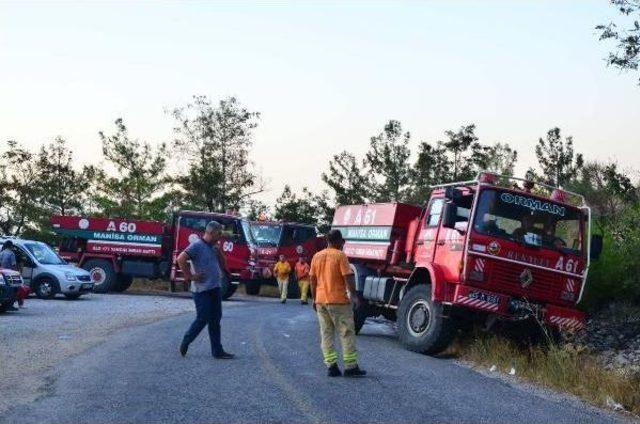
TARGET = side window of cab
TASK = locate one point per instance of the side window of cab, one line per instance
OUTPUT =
(433, 216)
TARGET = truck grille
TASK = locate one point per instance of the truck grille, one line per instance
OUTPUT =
(84, 278)
(546, 285)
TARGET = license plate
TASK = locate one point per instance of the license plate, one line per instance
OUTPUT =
(87, 286)
(486, 297)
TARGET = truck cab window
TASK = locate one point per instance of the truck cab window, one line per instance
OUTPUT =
(435, 210)
(302, 234)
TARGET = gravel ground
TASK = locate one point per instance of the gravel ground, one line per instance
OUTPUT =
(47, 332)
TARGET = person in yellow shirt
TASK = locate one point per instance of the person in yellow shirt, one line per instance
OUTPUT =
(302, 274)
(331, 277)
(281, 270)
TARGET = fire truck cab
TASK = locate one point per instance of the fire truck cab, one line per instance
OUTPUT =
(481, 248)
(272, 239)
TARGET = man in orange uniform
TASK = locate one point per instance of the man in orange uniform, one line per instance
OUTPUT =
(281, 270)
(331, 277)
(302, 274)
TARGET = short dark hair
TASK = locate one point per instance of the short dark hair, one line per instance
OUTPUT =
(213, 226)
(7, 245)
(334, 237)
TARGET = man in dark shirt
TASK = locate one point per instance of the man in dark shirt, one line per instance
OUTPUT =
(205, 273)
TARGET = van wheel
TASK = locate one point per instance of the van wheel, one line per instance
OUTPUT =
(102, 273)
(421, 324)
(46, 288)
(252, 288)
(123, 282)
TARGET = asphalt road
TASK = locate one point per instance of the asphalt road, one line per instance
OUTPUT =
(137, 375)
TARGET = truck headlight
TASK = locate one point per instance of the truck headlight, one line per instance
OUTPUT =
(70, 276)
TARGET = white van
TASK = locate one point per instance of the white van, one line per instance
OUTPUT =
(46, 273)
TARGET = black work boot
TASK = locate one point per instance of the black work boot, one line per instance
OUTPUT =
(224, 355)
(354, 372)
(334, 371)
(183, 349)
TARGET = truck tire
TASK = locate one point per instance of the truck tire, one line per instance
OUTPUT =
(102, 274)
(46, 288)
(252, 288)
(123, 282)
(421, 324)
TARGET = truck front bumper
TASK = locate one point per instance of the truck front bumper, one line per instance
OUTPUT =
(509, 307)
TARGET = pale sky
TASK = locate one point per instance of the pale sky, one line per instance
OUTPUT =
(325, 75)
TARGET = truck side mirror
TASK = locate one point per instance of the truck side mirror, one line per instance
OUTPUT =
(449, 215)
(596, 247)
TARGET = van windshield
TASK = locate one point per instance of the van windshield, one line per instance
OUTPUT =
(529, 220)
(44, 254)
(266, 235)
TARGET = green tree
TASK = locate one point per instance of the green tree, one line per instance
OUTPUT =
(20, 191)
(216, 140)
(388, 162)
(64, 188)
(498, 158)
(347, 179)
(432, 166)
(254, 209)
(557, 159)
(466, 151)
(626, 57)
(305, 208)
(141, 175)
(607, 191)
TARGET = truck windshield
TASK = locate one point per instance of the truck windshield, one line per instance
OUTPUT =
(529, 220)
(44, 254)
(266, 235)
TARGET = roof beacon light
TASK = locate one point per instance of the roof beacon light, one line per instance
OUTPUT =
(559, 196)
(487, 178)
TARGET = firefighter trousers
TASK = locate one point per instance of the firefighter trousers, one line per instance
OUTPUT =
(283, 286)
(332, 319)
(303, 283)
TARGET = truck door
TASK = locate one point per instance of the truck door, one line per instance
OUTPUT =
(425, 242)
(450, 242)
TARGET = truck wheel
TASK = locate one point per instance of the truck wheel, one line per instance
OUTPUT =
(102, 274)
(46, 288)
(421, 324)
(228, 289)
(252, 288)
(123, 282)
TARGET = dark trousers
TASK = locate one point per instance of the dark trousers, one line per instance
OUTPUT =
(208, 313)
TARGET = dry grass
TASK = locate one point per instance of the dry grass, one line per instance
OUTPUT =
(561, 367)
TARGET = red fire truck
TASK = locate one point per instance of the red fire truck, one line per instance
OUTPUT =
(273, 239)
(116, 250)
(483, 248)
